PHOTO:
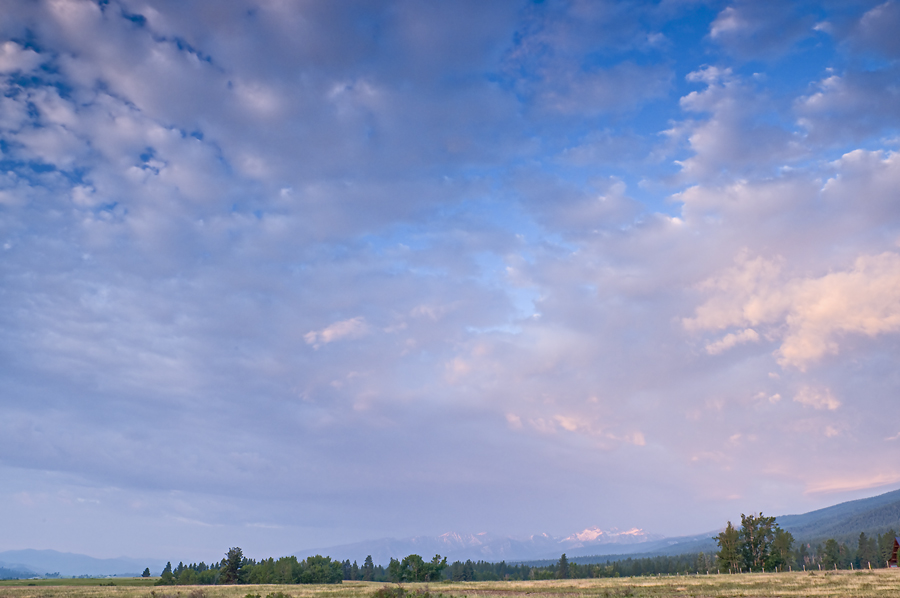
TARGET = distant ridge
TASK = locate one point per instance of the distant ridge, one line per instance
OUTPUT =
(488, 547)
(843, 522)
(38, 562)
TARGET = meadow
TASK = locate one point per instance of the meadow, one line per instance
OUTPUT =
(859, 584)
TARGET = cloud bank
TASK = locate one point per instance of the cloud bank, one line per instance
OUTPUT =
(285, 275)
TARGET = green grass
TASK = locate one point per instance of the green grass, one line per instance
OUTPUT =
(875, 584)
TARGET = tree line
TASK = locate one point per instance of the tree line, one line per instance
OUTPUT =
(235, 568)
(761, 545)
(758, 545)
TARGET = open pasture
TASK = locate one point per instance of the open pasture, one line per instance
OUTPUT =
(882, 583)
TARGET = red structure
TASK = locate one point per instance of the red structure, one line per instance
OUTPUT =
(893, 561)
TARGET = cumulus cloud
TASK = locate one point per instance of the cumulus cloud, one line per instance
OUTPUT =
(737, 137)
(809, 315)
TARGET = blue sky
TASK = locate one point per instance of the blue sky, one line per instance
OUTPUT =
(292, 274)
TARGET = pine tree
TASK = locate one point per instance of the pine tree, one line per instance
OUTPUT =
(368, 569)
(562, 568)
(885, 547)
(780, 555)
(166, 578)
(231, 567)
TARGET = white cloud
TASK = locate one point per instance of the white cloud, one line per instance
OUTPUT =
(345, 329)
(738, 136)
(809, 315)
(15, 58)
(730, 340)
(817, 398)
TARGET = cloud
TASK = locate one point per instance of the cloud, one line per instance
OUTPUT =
(510, 275)
(810, 315)
(15, 58)
(817, 398)
(730, 340)
(345, 329)
(738, 137)
(760, 29)
(623, 87)
(852, 105)
(875, 30)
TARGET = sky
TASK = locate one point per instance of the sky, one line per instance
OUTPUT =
(288, 274)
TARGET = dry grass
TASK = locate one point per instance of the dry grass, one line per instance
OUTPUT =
(844, 584)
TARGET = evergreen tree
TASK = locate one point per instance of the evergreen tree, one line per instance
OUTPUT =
(866, 552)
(146, 572)
(436, 567)
(831, 557)
(231, 566)
(562, 567)
(368, 569)
(885, 547)
(166, 578)
(395, 573)
(780, 556)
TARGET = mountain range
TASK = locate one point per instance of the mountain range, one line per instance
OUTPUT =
(843, 522)
(34, 563)
(486, 546)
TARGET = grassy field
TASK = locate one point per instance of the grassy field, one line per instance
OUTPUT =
(844, 584)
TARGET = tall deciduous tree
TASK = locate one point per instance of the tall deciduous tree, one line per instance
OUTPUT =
(756, 535)
(413, 568)
(729, 555)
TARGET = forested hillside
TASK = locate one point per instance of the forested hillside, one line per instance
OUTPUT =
(845, 521)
